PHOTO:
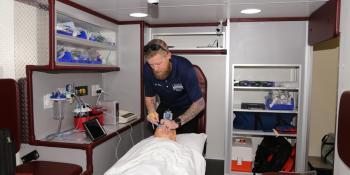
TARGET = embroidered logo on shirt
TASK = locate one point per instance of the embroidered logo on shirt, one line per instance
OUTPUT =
(157, 84)
(178, 87)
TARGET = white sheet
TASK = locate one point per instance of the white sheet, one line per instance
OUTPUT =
(157, 156)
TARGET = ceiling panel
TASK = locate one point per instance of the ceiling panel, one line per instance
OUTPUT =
(276, 9)
(187, 14)
(199, 11)
(93, 4)
(273, 1)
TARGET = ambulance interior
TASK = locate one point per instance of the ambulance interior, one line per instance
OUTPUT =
(71, 78)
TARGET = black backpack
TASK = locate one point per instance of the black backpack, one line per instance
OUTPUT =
(272, 154)
(7, 153)
(327, 148)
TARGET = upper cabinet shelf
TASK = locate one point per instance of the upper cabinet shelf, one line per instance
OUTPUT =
(78, 42)
(84, 41)
(265, 88)
(194, 42)
(241, 132)
(265, 66)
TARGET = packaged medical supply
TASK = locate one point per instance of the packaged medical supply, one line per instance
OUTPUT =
(279, 100)
(66, 28)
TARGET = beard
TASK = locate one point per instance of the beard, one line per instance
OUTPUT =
(162, 75)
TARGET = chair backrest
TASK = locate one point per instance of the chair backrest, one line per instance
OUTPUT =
(201, 128)
(343, 128)
(23, 109)
(9, 109)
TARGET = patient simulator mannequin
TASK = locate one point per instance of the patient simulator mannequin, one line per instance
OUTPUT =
(163, 132)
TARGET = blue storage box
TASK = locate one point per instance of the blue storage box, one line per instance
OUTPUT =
(279, 106)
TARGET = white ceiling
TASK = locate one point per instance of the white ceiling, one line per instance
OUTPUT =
(202, 11)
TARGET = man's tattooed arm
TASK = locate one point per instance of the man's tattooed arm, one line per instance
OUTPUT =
(192, 111)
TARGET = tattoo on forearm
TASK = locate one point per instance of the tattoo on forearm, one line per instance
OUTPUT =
(191, 112)
(150, 103)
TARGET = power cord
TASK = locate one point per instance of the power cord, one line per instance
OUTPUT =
(131, 138)
(120, 139)
(116, 150)
(100, 91)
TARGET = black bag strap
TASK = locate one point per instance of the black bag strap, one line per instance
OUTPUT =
(328, 153)
(324, 140)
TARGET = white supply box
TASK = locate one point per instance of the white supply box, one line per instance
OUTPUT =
(126, 116)
(242, 149)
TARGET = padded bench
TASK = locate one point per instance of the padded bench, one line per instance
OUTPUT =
(48, 168)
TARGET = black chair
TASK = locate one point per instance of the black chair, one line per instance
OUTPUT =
(202, 120)
(344, 129)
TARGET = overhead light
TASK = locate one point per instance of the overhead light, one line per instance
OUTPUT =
(250, 11)
(155, 2)
(138, 15)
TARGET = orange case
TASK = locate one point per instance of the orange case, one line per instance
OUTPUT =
(246, 166)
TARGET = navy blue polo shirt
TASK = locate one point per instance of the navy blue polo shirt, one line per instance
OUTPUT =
(179, 90)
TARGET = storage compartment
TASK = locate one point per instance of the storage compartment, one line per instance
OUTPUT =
(265, 102)
(81, 43)
(193, 41)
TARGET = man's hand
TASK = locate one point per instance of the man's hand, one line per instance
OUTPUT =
(169, 124)
(153, 117)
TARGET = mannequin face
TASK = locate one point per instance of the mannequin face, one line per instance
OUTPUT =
(162, 132)
(161, 65)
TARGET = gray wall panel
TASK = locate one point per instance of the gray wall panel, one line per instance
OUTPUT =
(45, 83)
(214, 69)
(124, 85)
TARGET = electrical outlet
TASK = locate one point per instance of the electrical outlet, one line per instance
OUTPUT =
(81, 90)
(48, 103)
(94, 88)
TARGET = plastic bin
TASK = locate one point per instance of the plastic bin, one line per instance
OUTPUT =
(279, 106)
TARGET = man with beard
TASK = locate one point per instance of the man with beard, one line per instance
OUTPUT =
(173, 79)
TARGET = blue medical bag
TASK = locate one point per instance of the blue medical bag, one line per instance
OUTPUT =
(261, 121)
